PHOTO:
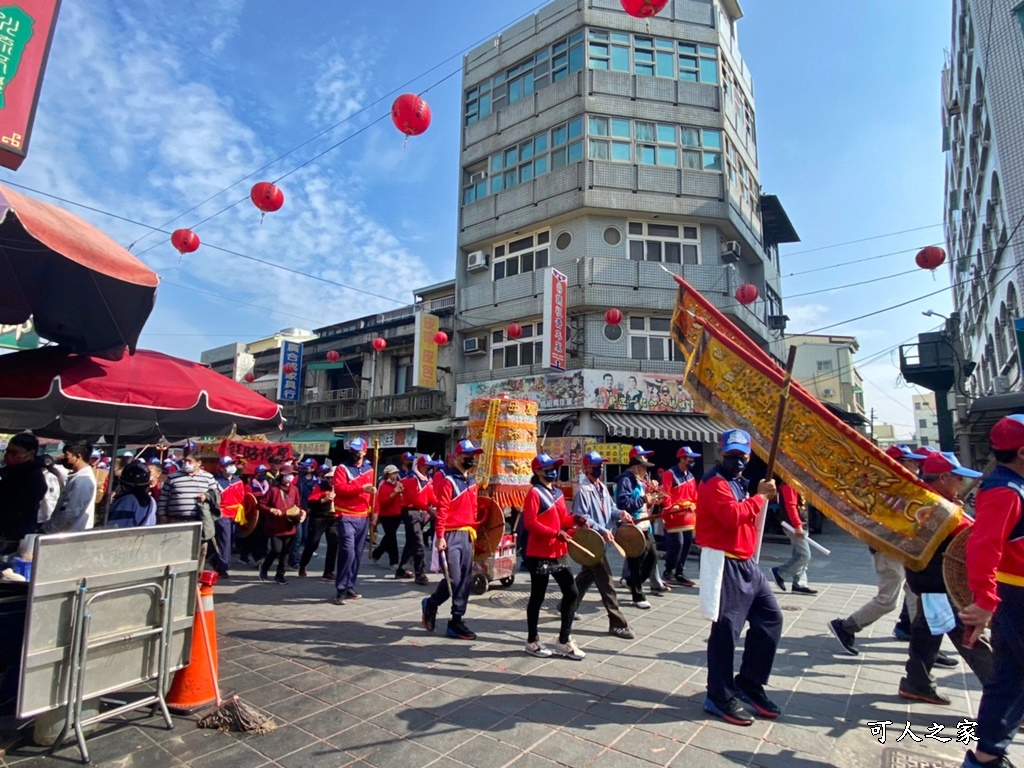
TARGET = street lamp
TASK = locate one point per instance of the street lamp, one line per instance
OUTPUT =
(933, 313)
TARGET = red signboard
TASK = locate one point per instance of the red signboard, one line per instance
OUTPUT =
(254, 453)
(26, 29)
(556, 318)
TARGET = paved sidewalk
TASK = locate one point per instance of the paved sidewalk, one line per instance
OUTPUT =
(363, 684)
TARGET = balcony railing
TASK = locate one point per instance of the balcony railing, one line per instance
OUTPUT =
(410, 405)
(334, 395)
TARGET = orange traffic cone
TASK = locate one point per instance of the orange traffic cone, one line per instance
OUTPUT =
(195, 686)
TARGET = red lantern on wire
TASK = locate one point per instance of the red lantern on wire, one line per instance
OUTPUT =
(747, 294)
(613, 316)
(410, 114)
(267, 197)
(250, 377)
(931, 257)
(643, 9)
(333, 355)
(380, 344)
(514, 331)
(288, 367)
(185, 241)
(440, 338)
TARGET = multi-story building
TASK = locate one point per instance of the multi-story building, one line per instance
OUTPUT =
(926, 420)
(983, 99)
(824, 366)
(607, 147)
(884, 435)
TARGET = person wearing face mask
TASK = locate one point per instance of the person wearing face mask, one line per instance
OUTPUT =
(77, 502)
(388, 509)
(22, 487)
(283, 515)
(189, 495)
(253, 547)
(454, 534)
(232, 496)
(631, 499)
(593, 502)
(727, 535)
(680, 514)
(354, 491)
(417, 500)
(794, 512)
(322, 524)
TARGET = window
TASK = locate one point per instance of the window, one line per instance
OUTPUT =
(524, 254)
(922, 423)
(667, 243)
(824, 366)
(644, 142)
(650, 338)
(917, 406)
(924, 440)
(403, 374)
(526, 350)
(528, 76)
(652, 56)
(774, 301)
(1020, 17)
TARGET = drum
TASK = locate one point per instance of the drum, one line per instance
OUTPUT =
(954, 571)
(590, 540)
(490, 527)
(631, 539)
(252, 515)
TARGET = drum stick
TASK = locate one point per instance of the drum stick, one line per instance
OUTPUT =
(581, 548)
(618, 548)
(447, 574)
(812, 542)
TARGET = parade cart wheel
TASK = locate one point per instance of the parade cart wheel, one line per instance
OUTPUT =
(508, 581)
(480, 584)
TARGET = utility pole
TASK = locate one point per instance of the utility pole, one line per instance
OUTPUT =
(871, 426)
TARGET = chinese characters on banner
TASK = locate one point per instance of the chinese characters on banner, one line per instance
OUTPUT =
(424, 359)
(26, 29)
(252, 452)
(288, 383)
(556, 319)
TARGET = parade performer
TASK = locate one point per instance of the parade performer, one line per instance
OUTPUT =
(232, 496)
(631, 499)
(995, 575)
(417, 500)
(593, 502)
(794, 512)
(253, 548)
(322, 524)
(734, 589)
(679, 515)
(354, 491)
(283, 515)
(387, 509)
(454, 534)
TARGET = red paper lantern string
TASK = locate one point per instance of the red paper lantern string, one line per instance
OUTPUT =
(333, 356)
(931, 257)
(613, 316)
(267, 197)
(288, 367)
(250, 377)
(410, 114)
(643, 9)
(185, 241)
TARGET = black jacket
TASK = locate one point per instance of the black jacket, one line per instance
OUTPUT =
(22, 487)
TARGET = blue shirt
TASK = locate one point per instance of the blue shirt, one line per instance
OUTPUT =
(593, 501)
(629, 493)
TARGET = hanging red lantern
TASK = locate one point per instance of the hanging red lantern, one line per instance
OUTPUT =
(931, 257)
(266, 196)
(643, 9)
(250, 377)
(379, 344)
(440, 338)
(288, 367)
(185, 241)
(410, 114)
(613, 316)
(746, 294)
(514, 331)
(333, 355)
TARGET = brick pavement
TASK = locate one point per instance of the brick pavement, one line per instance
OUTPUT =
(365, 685)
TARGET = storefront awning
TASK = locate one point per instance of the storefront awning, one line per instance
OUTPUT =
(659, 426)
(555, 418)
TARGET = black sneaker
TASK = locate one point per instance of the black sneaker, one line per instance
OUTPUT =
(422, 579)
(845, 638)
(280, 580)
(351, 594)
(804, 590)
(401, 573)
(682, 581)
(755, 697)
(731, 711)
(778, 579)
(945, 660)
(901, 634)
(264, 576)
(339, 599)
(457, 630)
(970, 761)
(622, 632)
(429, 614)
(927, 695)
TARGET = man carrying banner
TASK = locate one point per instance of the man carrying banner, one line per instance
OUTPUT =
(734, 589)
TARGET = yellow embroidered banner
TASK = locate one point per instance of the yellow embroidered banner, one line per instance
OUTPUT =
(842, 473)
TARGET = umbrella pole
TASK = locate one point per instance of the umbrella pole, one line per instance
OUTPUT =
(113, 463)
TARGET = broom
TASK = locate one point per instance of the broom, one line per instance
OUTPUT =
(233, 714)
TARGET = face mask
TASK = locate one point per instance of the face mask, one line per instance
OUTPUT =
(595, 473)
(189, 466)
(733, 466)
(231, 469)
(551, 475)
(468, 462)
(287, 479)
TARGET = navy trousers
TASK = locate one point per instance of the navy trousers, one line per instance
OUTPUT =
(746, 597)
(412, 552)
(1002, 697)
(460, 568)
(352, 532)
(220, 557)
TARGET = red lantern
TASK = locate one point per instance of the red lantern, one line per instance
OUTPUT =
(410, 114)
(266, 196)
(185, 241)
(379, 344)
(746, 294)
(931, 257)
(288, 367)
(514, 331)
(613, 316)
(440, 338)
(643, 9)
(250, 377)
(333, 355)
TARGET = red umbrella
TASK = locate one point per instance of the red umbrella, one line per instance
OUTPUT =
(83, 290)
(144, 396)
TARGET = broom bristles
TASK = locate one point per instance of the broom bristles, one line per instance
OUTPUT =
(236, 715)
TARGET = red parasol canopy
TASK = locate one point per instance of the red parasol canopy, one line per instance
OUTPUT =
(83, 290)
(147, 395)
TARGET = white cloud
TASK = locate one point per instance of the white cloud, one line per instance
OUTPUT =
(804, 317)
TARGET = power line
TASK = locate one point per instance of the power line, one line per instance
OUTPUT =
(850, 285)
(861, 240)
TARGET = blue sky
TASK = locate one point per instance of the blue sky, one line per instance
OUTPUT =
(149, 108)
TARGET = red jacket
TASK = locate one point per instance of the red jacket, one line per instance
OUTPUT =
(388, 503)
(349, 496)
(231, 499)
(283, 499)
(726, 518)
(680, 508)
(544, 515)
(456, 502)
(791, 503)
(995, 549)
(419, 492)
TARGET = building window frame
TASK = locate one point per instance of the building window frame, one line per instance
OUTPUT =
(655, 241)
(511, 353)
(654, 143)
(650, 338)
(526, 253)
(650, 56)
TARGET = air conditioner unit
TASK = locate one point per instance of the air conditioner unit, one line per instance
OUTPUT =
(1001, 384)
(777, 322)
(476, 261)
(827, 393)
(477, 177)
(731, 251)
(475, 345)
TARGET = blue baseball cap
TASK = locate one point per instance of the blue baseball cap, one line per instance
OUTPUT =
(408, 456)
(306, 463)
(357, 444)
(637, 453)
(226, 460)
(426, 461)
(593, 459)
(544, 461)
(687, 452)
(940, 463)
(734, 440)
(261, 468)
(466, 447)
(155, 461)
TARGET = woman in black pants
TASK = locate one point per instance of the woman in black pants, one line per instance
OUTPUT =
(321, 523)
(546, 519)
